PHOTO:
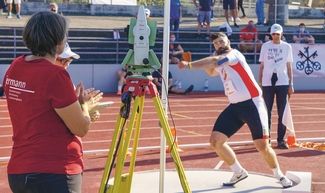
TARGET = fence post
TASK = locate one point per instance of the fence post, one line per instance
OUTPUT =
(15, 43)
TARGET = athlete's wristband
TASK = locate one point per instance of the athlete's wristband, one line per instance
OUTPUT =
(189, 65)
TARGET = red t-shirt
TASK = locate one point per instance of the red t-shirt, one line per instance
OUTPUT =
(42, 142)
(248, 34)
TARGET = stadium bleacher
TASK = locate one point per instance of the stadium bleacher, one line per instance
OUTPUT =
(98, 46)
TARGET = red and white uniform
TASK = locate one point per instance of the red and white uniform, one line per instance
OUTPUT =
(237, 77)
(244, 95)
(42, 142)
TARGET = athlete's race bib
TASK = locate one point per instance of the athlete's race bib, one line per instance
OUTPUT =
(229, 88)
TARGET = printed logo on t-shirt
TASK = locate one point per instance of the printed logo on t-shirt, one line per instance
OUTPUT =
(275, 54)
(16, 88)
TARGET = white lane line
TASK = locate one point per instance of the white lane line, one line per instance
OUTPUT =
(198, 112)
(3, 159)
(175, 118)
(319, 183)
(180, 114)
(185, 131)
(183, 116)
(306, 107)
(232, 143)
(5, 136)
(204, 118)
(5, 126)
(5, 147)
(218, 166)
(141, 139)
(189, 132)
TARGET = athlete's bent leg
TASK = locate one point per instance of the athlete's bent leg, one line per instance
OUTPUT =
(270, 157)
(267, 152)
(218, 142)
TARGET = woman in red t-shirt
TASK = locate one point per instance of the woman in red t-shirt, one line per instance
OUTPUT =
(47, 117)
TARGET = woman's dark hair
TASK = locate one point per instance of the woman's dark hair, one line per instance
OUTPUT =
(43, 32)
(216, 35)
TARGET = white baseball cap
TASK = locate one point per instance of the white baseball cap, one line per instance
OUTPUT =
(67, 53)
(276, 28)
(147, 11)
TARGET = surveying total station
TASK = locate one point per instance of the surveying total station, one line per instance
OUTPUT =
(139, 62)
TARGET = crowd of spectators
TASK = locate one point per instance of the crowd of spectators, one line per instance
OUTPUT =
(248, 38)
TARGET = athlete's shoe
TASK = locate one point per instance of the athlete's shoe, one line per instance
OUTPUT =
(237, 178)
(282, 145)
(286, 182)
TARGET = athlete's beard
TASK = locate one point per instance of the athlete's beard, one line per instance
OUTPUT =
(223, 50)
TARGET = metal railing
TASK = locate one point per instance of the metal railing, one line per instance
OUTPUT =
(107, 50)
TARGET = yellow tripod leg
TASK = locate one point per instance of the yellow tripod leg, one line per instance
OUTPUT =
(119, 178)
(128, 179)
(169, 139)
(108, 164)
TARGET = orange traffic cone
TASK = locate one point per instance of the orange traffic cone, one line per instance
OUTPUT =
(175, 142)
(291, 141)
(288, 122)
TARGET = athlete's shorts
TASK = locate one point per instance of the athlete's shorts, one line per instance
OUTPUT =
(229, 4)
(16, 1)
(204, 16)
(252, 112)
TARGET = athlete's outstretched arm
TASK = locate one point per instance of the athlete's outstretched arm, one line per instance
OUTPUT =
(207, 64)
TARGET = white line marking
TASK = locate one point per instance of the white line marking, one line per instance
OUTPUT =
(5, 126)
(3, 159)
(306, 107)
(175, 118)
(202, 118)
(180, 115)
(218, 166)
(6, 147)
(319, 183)
(191, 132)
(233, 143)
(5, 136)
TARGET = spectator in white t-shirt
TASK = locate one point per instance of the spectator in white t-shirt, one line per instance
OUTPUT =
(275, 77)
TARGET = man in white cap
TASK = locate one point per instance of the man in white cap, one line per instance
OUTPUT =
(275, 77)
(64, 60)
(54, 7)
(66, 57)
(147, 12)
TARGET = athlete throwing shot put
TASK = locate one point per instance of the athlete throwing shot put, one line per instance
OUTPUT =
(246, 106)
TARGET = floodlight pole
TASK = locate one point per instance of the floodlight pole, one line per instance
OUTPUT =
(165, 70)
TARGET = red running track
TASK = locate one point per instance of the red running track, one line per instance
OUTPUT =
(194, 116)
